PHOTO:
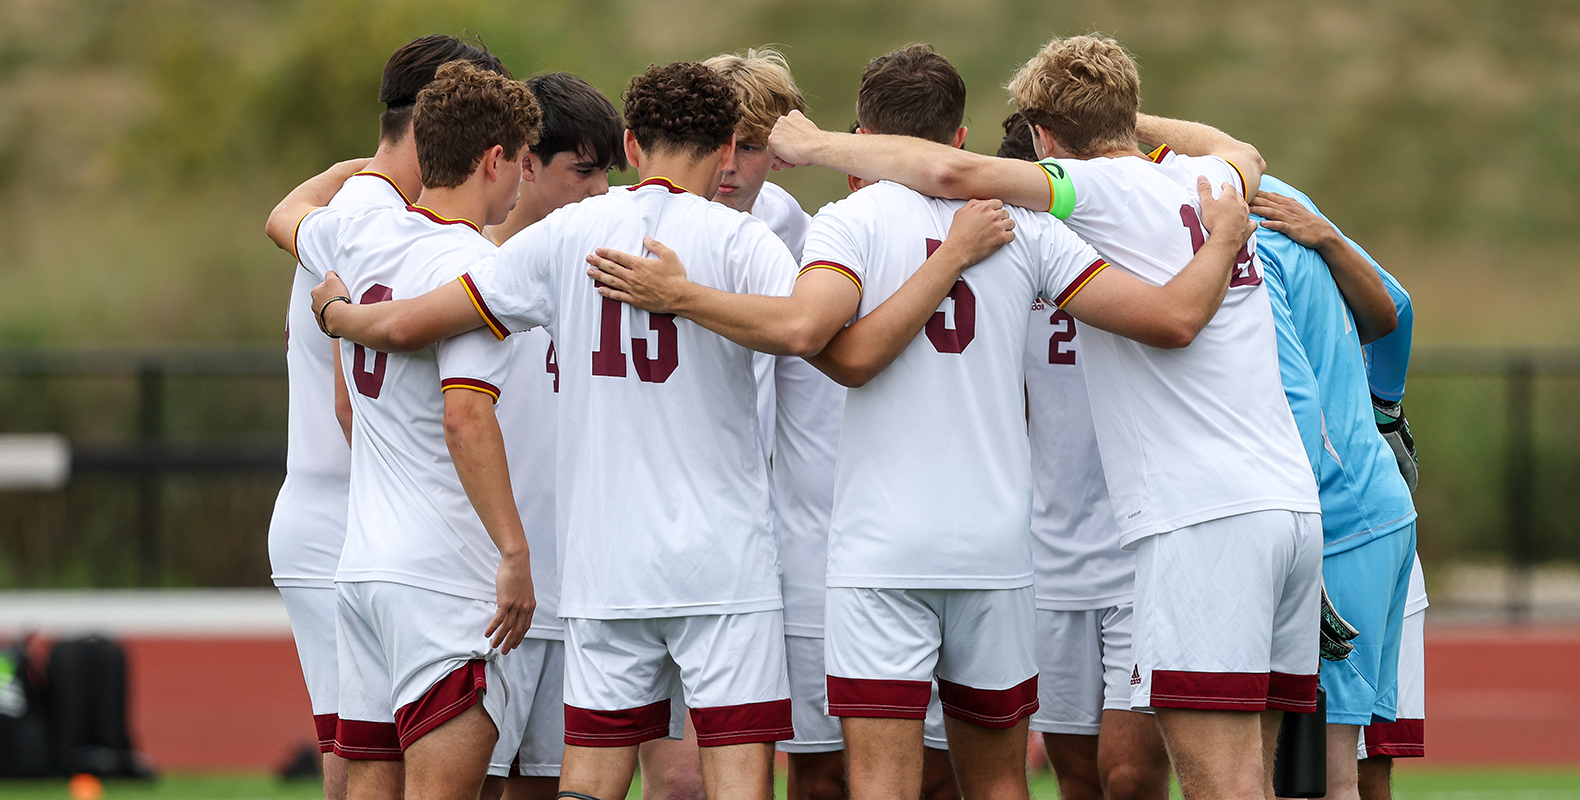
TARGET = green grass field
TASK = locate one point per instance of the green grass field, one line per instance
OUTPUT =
(1411, 784)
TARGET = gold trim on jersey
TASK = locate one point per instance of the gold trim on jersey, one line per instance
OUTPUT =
(830, 265)
(493, 323)
(1080, 282)
(387, 179)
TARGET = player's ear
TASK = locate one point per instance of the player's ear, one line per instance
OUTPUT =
(490, 162)
(960, 137)
(530, 164)
(633, 151)
(854, 182)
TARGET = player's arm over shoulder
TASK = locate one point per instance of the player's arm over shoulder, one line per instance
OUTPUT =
(315, 192)
(1197, 139)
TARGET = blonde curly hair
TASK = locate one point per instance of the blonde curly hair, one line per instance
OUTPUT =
(1085, 90)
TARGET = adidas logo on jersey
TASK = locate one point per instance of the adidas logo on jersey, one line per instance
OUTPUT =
(1135, 676)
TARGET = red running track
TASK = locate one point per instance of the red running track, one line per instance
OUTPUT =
(1495, 695)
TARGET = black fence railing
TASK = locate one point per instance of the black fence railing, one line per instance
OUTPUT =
(177, 451)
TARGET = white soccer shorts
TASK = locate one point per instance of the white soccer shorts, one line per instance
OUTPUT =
(886, 646)
(532, 734)
(410, 660)
(1228, 614)
(1084, 661)
(815, 730)
(1405, 737)
(623, 677)
(312, 613)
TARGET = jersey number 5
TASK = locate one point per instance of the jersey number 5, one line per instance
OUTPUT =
(1244, 268)
(609, 358)
(370, 382)
(944, 338)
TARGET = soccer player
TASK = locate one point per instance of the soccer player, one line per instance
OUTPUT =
(309, 523)
(580, 141)
(804, 407)
(1388, 362)
(929, 561)
(435, 582)
(669, 580)
(1085, 582)
(1228, 560)
(1328, 299)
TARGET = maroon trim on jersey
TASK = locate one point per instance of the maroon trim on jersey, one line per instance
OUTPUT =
(443, 221)
(660, 181)
(494, 325)
(1404, 738)
(586, 727)
(1286, 692)
(324, 726)
(1159, 154)
(1080, 282)
(1213, 691)
(989, 708)
(836, 267)
(387, 179)
(747, 723)
(470, 383)
(444, 701)
(360, 740)
(865, 697)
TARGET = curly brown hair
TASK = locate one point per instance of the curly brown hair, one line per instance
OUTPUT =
(463, 113)
(1085, 90)
(682, 107)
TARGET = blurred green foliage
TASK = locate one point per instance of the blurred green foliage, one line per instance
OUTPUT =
(143, 141)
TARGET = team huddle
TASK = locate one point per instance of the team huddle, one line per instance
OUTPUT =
(1062, 440)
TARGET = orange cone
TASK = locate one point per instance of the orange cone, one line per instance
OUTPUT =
(83, 786)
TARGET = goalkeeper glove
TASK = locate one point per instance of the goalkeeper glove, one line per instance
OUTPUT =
(1336, 633)
(1395, 430)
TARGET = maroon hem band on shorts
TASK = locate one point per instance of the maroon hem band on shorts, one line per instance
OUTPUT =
(867, 697)
(1294, 693)
(444, 701)
(1404, 738)
(747, 723)
(586, 727)
(1211, 691)
(324, 725)
(360, 740)
(989, 708)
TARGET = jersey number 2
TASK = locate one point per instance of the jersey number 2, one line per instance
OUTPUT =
(609, 358)
(1244, 267)
(370, 382)
(1057, 354)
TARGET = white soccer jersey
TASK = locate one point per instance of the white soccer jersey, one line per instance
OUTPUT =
(410, 521)
(1074, 540)
(309, 522)
(1200, 432)
(528, 410)
(933, 488)
(663, 493)
(810, 408)
(784, 217)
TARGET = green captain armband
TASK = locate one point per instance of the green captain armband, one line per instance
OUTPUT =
(1061, 186)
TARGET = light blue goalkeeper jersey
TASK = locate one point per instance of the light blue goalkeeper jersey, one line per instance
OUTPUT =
(1388, 358)
(1324, 373)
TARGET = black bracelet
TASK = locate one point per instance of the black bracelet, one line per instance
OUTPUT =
(323, 326)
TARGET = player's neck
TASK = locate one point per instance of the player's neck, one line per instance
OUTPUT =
(528, 211)
(698, 176)
(464, 202)
(398, 162)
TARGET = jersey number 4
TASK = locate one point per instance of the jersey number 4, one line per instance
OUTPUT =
(609, 358)
(1244, 268)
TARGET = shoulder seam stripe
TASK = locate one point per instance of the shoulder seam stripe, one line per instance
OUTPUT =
(1080, 282)
(836, 267)
(493, 323)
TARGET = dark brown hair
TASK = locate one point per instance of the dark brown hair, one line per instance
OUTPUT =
(912, 91)
(412, 67)
(682, 107)
(576, 119)
(1017, 139)
(463, 113)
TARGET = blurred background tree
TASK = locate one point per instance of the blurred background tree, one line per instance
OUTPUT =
(143, 141)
